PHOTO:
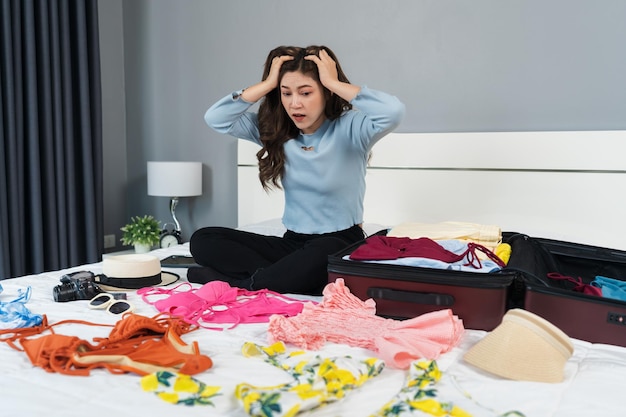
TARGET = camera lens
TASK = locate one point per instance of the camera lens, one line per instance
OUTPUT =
(64, 292)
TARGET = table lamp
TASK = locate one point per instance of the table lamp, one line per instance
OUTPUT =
(174, 180)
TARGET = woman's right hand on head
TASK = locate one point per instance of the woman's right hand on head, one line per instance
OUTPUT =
(277, 63)
(257, 91)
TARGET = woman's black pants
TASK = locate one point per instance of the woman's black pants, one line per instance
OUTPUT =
(294, 263)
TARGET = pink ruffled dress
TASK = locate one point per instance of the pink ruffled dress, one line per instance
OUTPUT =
(341, 317)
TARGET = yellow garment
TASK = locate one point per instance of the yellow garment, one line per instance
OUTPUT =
(489, 236)
(317, 380)
(484, 234)
(419, 393)
(503, 251)
(177, 388)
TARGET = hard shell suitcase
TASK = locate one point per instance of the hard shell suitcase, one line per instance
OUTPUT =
(400, 292)
(597, 319)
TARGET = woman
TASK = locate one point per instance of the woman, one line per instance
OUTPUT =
(316, 131)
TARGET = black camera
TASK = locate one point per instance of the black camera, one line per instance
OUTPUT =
(79, 285)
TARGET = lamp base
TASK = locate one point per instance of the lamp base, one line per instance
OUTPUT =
(173, 204)
(171, 237)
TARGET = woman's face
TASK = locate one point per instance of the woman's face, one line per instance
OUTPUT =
(303, 99)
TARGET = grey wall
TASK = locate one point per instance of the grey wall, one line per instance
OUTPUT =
(459, 65)
(113, 115)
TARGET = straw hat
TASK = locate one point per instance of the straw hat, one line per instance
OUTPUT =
(131, 272)
(523, 347)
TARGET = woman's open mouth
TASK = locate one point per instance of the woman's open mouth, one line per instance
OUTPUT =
(298, 117)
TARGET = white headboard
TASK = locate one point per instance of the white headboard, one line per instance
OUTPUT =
(561, 185)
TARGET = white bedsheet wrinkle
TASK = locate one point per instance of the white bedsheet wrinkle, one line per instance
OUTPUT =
(593, 383)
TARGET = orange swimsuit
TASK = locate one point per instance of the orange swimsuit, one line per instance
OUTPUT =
(137, 344)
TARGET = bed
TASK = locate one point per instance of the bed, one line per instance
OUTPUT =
(550, 207)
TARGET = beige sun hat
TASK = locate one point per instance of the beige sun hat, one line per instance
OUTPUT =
(523, 347)
(133, 271)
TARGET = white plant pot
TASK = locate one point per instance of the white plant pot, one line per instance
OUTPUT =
(142, 248)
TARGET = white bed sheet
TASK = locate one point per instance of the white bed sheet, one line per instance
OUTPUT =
(593, 382)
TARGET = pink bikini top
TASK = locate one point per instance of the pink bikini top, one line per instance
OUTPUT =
(217, 302)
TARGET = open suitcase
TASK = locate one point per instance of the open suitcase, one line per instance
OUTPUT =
(479, 299)
(593, 318)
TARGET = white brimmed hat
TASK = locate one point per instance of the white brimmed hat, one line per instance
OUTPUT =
(131, 272)
(523, 347)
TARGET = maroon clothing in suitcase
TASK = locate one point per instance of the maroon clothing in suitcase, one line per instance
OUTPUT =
(479, 299)
(596, 319)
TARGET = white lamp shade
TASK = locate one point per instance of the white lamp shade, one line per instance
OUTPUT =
(174, 179)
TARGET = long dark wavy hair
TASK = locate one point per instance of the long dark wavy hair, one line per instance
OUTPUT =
(275, 126)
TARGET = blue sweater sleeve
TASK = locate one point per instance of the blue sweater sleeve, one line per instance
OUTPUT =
(378, 113)
(230, 116)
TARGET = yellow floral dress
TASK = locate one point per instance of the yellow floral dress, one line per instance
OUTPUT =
(317, 381)
(177, 388)
(419, 394)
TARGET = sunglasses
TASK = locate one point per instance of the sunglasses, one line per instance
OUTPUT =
(113, 303)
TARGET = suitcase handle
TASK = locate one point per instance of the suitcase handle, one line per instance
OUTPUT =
(411, 297)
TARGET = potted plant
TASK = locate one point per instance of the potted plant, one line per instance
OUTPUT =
(142, 232)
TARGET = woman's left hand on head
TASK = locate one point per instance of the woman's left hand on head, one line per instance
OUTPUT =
(326, 67)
